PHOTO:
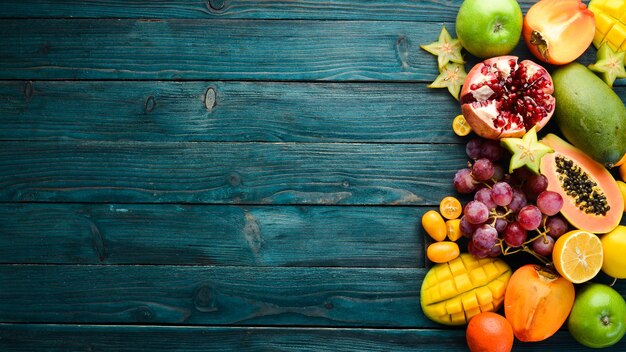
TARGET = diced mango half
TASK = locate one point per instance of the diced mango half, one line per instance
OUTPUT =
(610, 17)
(455, 291)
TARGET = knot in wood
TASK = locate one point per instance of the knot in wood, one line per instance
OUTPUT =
(204, 299)
(144, 313)
(209, 99)
(216, 5)
(150, 104)
(234, 179)
(28, 90)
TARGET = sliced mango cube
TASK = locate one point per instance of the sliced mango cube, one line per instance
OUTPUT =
(455, 291)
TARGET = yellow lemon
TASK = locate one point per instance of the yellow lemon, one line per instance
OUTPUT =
(578, 255)
(622, 189)
(614, 246)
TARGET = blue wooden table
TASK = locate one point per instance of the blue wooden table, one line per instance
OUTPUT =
(223, 175)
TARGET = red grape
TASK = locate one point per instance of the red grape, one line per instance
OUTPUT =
(502, 193)
(550, 203)
(498, 173)
(514, 234)
(476, 212)
(518, 202)
(483, 195)
(464, 182)
(535, 184)
(477, 252)
(501, 224)
(467, 229)
(485, 237)
(491, 150)
(529, 217)
(556, 226)
(543, 245)
(483, 169)
(473, 148)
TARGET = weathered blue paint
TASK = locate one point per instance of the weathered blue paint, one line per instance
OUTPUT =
(394, 10)
(236, 112)
(237, 173)
(264, 236)
(212, 295)
(220, 50)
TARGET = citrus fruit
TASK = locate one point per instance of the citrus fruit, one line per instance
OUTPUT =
(622, 172)
(450, 208)
(434, 225)
(488, 28)
(614, 247)
(442, 252)
(598, 317)
(622, 190)
(489, 331)
(460, 126)
(578, 256)
(453, 228)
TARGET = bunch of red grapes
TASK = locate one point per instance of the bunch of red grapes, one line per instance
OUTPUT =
(510, 212)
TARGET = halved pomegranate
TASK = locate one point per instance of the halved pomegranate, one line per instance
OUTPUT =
(502, 98)
(558, 31)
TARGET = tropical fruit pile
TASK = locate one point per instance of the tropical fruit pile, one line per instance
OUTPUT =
(556, 197)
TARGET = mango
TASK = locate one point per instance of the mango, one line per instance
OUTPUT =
(610, 16)
(455, 291)
(589, 113)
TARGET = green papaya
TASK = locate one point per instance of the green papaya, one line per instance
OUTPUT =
(589, 113)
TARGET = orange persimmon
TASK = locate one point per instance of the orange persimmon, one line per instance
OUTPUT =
(537, 302)
(558, 31)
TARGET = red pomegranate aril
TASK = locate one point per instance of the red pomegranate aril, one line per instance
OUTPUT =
(503, 98)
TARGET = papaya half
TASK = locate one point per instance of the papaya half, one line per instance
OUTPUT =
(591, 197)
(589, 113)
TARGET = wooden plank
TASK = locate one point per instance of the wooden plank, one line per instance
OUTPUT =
(237, 111)
(392, 10)
(216, 235)
(198, 295)
(216, 49)
(240, 173)
(48, 337)
(211, 295)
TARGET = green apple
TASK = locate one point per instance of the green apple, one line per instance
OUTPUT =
(598, 318)
(488, 28)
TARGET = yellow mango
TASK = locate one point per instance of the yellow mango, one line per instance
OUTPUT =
(610, 17)
(455, 291)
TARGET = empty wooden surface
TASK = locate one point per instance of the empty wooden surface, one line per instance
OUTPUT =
(183, 175)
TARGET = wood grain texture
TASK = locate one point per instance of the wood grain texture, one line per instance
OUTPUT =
(239, 173)
(221, 50)
(393, 10)
(211, 295)
(217, 235)
(197, 295)
(40, 338)
(216, 49)
(226, 112)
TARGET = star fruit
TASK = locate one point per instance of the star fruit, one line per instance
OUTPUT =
(446, 49)
(452, 77)
(609, 64)
(526, 151)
